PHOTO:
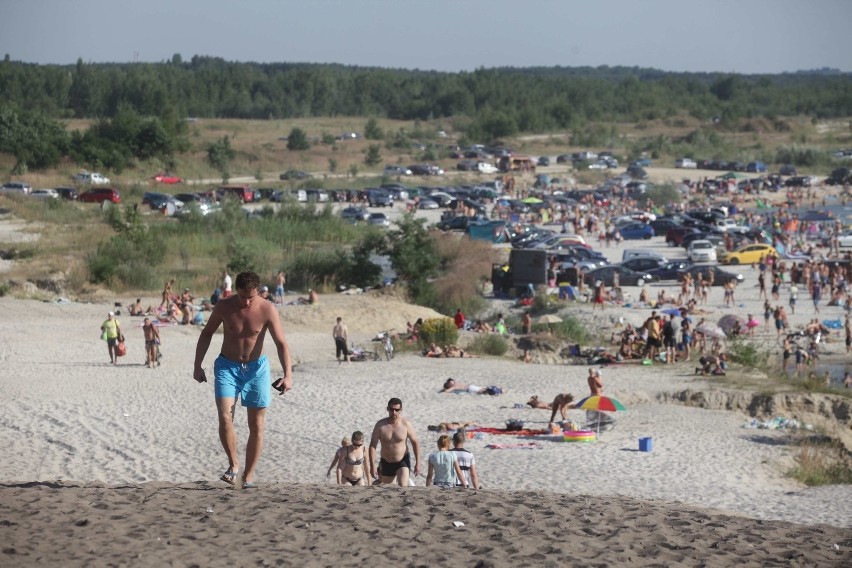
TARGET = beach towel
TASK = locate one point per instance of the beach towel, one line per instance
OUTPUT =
(518, 446)
(511, 432)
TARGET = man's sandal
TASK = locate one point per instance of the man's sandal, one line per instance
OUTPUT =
(229, 476)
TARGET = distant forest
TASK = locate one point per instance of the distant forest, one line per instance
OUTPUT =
(529, 99)
(140, 107)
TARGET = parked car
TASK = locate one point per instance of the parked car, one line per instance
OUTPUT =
(466, 166)
(379, 198)
(294, 175)
(166, 178)
(720, 276)
(748, 254)
(355, 214)
(486, 168)
(15, 187)
(633, 231)
(425, 170)
(195, 200)
(90, 178)
(457, 223)
(845, 239)
(662, 225)
(44, 194)
(670, 270)
(758, 167)
(544, 161)
(641, 162)
(701, 250)
(643, 264)
(379, 220)
(69, 193)
(396, 171)
(626, 277)
(427, 203)
(839, 176)
(675, 235)
(99, 195)
(316, 195)
(685, 163)
(160, 201)
(788, 170)
(242, 192)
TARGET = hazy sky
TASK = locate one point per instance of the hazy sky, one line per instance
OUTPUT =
(745, 36)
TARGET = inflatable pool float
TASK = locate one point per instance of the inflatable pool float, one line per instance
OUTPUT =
(579, 436)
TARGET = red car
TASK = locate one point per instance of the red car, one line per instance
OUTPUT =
(99, 195)
(163, 177)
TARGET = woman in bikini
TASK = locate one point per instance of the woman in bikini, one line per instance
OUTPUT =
(352, 468)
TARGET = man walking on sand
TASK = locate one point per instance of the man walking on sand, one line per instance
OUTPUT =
(341, 340)
(241, 370)
(393, 433)
(152, 342)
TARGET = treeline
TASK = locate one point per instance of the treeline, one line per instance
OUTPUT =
(140, 106)
(534, 99)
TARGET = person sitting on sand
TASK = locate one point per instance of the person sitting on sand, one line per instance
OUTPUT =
(136, 309)
(451, 385)
(312, 299)
(433, 351)
(482, 327)
(535, 402)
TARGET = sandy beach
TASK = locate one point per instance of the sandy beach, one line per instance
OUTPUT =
(120, 464)
(129, 456)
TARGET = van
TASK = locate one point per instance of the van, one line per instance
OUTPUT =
(242, 192)
(644, 253)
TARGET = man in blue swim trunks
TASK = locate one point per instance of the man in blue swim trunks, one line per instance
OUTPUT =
(394, 432)
(241, 370)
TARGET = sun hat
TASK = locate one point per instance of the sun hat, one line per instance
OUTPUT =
(111, 314)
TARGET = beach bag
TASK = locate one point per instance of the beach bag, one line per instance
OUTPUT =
(514, 425)
(121, 349)
(104, 335)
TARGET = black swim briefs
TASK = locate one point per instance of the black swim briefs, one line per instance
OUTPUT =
(389, 469)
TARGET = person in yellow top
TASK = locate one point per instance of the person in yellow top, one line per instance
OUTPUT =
(111, 329)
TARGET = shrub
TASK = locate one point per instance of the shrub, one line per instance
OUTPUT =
(822, 464)
(489, 344)
(569, 328)
(440, 331)
(747, 354)
(4, 288)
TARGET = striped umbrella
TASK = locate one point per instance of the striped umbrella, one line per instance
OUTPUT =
(599, 403)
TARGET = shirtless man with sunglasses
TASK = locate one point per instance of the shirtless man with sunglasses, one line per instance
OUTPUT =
(394, 433)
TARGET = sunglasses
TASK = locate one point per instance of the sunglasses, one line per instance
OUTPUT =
(395, 409)
(358, 445)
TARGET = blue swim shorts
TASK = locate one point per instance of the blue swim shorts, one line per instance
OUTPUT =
(250, 381)
(279, 290)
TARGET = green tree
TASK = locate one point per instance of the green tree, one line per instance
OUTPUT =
(372, 130)
(297, 140)
(414, 257)
(219, 156)
(373, 155)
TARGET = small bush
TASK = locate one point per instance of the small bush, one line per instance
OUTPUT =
(489, 344)
(570, 328)
(4, 288)
(822, 464)
(747, 354)
(440, 331)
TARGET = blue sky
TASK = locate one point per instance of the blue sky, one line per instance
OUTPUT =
(744, 36)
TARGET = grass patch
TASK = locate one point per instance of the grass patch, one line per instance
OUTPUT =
(822, 464)
(488, 344)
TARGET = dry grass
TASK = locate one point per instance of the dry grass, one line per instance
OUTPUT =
(822, 464)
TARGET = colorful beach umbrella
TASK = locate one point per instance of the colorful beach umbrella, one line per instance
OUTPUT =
(596, 404)
(600, 403)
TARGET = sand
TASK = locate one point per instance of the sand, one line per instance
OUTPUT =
(119, 464)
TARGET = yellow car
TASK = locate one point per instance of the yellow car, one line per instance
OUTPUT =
(748, 254)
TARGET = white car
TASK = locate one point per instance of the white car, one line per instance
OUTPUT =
(91, 178)
(686, 163)
(44, 194)
(486, 168)
(845, 238)
(16, 188)
(701, 251)
(426, 203)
